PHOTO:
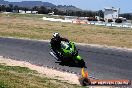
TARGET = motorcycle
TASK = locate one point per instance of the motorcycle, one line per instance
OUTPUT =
(68, 53)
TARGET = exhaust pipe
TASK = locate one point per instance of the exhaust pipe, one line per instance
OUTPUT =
(52, 54)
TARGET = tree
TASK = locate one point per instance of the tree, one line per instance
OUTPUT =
(0, 8)
(56, 11)
(101, 13)
(16, 8)
(10, 8)
(42, 10)
(78, 13)
(35, 8)
(127, 16)
(3, 8)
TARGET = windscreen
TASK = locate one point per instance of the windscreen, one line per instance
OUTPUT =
(65, 45)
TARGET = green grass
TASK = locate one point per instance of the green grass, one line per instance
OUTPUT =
(17, 69)
(22, 77)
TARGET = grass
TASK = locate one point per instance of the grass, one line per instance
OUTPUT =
(22, 77)
(31, 15)
(17, 69)
(31, 26)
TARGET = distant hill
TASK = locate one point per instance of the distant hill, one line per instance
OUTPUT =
(31, 4)
(27, 3)
(4, 2)
(70, 7)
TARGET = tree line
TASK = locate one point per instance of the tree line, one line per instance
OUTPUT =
(46, 10)
(127, 16)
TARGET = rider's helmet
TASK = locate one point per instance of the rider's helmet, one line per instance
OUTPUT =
(56, 35)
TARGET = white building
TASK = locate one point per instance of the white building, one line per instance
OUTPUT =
(22, 11)
(34, 12)
(51, 13)
(28, 12)
(111, 13)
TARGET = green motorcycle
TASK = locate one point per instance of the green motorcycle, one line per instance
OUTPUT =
(68, 54)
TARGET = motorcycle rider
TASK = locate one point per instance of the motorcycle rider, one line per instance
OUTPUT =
(56, 43)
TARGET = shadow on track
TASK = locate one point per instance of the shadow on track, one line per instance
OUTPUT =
(69, 64)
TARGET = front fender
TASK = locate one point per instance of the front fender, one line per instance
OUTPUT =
(78, 57)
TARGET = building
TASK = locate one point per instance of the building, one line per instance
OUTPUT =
(51, 13)
(22, 11)
(28, 12)
(111, 13)
(34, 12)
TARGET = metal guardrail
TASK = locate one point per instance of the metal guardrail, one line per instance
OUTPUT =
(122, 25)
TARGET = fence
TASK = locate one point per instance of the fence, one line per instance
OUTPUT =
(122, 25)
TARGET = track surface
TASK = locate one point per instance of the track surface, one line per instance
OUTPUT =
(101, 63)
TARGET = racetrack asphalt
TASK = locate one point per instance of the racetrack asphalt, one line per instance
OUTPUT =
(102, 63)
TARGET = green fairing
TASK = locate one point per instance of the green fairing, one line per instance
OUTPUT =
(66, 49)
(78, 57)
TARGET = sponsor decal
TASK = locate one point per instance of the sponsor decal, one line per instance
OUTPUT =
(85, 80)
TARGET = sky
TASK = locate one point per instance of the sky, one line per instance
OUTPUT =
(94, 5)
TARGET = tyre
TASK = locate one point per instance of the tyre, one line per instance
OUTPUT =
(82, 63)
(84, 81)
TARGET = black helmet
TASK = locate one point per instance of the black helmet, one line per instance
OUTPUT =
(56, 35)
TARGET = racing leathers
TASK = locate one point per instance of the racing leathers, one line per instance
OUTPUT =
(56, 45)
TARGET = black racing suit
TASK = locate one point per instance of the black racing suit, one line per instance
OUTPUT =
(56, 44)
